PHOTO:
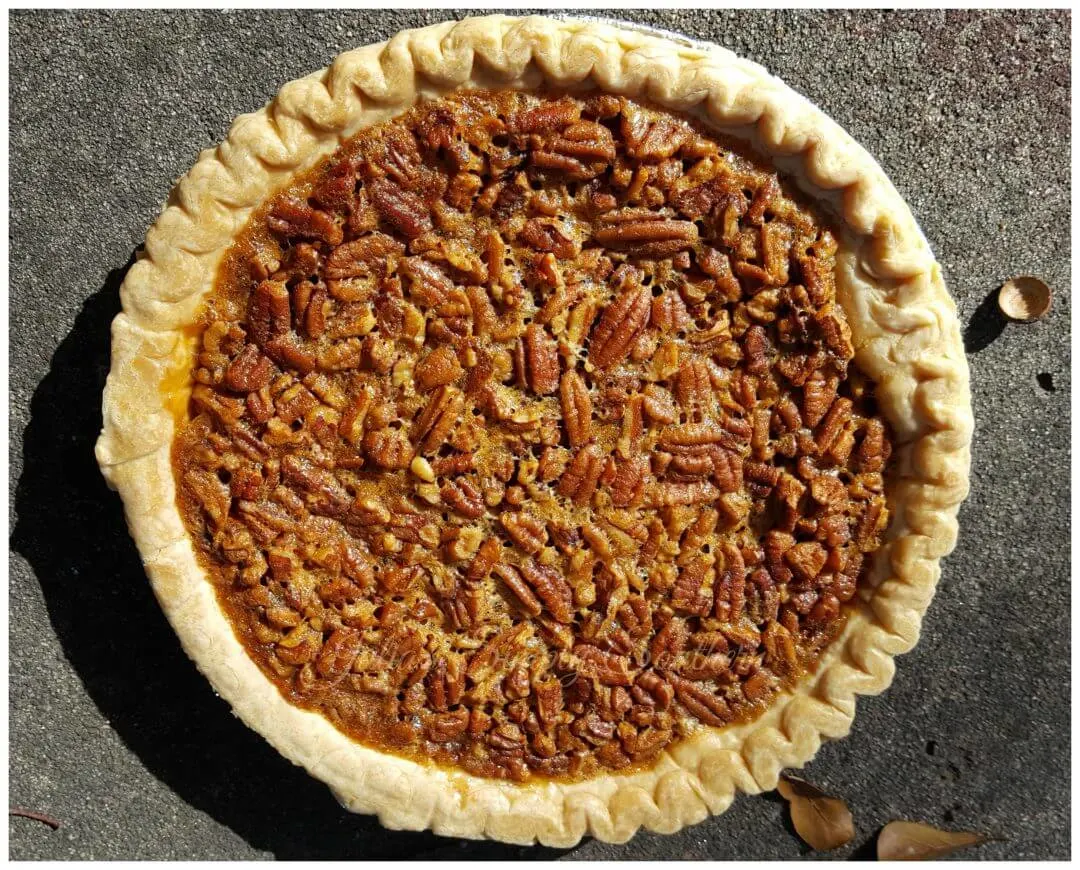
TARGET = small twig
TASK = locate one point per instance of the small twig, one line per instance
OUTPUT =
(37, 817)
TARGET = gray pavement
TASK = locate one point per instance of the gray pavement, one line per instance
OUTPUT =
(114, 733)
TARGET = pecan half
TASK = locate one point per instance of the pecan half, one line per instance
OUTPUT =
(709, 708)
(526, 530)
(269, 313)
(727, 470)
(756, 349)
(337, 654)
(433, 426)
(669, 312)
(668, 643)
(580, 479)
(690, 594)
(402, 209)
(545, 118)
(293, 218)
(447, 727)
(211, 493)
(818, 396)
(646, 235)
(874, 449)
(550, 588)
(658, 690)
(608, 668)
(619, 327)
(438, 368)
(364, 256)
(464, 497)
(671, 493)
(325, 493)
(388, 449)
(628, 487)
(549, 702)
(586, 141)
(541, 360)
(516, 584)
(542, 235)
(576, 408)
(250, 371)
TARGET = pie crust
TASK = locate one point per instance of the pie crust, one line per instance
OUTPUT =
(904, 328)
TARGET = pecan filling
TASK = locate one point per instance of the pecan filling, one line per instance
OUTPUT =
(523, 436)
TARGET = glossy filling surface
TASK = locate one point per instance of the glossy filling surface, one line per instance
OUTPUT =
(524, 436)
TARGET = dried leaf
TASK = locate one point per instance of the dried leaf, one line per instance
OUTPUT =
(35, 816)
(823, 821)
(914, 841)
(1024, 298)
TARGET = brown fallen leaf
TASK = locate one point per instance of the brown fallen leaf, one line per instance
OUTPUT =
(823, 821)
(914, 841)
(1024, 298)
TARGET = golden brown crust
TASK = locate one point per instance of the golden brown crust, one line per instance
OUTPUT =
(904, 328)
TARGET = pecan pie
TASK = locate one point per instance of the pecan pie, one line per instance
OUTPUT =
(530, 456)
